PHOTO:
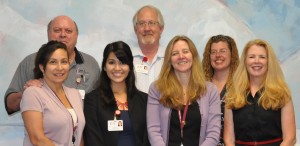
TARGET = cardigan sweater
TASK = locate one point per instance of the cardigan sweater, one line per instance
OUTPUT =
(158, 117)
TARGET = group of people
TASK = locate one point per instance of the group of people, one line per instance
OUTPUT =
(150, 95)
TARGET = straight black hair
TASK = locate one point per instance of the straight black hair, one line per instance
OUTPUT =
(124, 54)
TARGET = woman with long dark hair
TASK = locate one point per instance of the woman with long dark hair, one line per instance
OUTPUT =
(116, 100)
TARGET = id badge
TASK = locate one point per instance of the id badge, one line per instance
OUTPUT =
(82, 93)
(115, 125)
(141, 68)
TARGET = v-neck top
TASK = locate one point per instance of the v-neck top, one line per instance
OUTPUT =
(191, 130)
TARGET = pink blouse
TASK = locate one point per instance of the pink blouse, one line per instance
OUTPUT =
(57, 120)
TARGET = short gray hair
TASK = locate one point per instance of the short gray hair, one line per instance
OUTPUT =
(159, 15)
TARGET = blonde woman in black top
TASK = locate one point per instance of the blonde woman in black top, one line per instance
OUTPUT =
(259, 108)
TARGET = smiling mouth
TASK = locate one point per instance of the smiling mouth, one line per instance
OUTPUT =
(219, 61)
(256, 67)
(183, 62)
(118, 74)
(59, 74)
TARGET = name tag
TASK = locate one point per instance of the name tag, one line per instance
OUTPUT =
(115, 125)
(82, 93)
(141, 68)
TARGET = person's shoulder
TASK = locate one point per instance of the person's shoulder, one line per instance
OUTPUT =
(88, 59)
(92, 94)
(153, 86)
(86, 56)
(32, 90)
(32, 55)
(140, 97)
(92, 99)
(142, 94)
(211, 91)
(29, 57)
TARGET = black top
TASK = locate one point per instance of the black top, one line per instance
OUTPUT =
(126, 137)
(222, 98)
(97, 115)
(253, 123)
(191, 130)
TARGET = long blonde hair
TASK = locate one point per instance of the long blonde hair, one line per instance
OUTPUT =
(275, 93)
(168, 85)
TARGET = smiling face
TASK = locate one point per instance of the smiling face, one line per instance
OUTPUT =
(116, 71)
(63, 29)
(57, 67)
(220, 56)
(257, 62)
(181, 57)
(147, 29)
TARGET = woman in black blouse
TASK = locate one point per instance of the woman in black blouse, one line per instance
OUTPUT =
(116, 111)
(259, 108)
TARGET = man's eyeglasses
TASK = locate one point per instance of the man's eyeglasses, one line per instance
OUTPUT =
(222, 52)
(144, 23)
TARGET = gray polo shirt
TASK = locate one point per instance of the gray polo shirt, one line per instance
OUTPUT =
(83, 74)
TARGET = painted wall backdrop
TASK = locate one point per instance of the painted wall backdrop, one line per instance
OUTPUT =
(23, 31)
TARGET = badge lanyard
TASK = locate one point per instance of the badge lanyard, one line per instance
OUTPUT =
(74, 130)
(182, 119)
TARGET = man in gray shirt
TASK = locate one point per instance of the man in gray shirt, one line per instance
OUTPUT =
(84, 69)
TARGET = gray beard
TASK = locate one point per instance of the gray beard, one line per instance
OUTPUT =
(148, 41)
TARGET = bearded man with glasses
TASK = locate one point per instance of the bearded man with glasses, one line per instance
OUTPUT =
(148, 54)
